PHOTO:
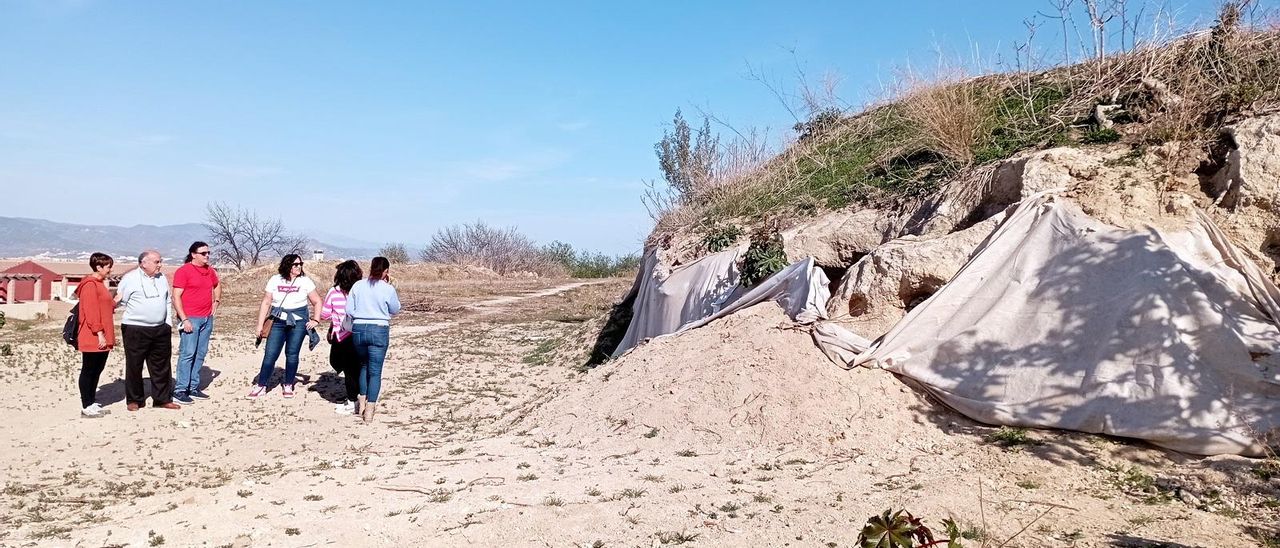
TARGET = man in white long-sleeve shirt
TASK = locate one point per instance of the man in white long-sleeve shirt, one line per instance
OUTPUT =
(147, 331)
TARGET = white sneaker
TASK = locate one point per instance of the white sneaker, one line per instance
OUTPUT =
(348, 408)
(94, 411)
(257, 392)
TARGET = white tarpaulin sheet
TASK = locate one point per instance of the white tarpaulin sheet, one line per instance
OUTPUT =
(1061, 321)
(695, 294)
(687, 293)
(801, 289)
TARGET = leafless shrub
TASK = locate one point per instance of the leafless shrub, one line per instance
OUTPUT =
(397, 253)
(503, 250)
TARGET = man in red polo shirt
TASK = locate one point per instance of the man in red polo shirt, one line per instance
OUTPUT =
(195, 299)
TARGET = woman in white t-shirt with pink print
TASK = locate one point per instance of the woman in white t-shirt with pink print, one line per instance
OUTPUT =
(285, 300)
(342, 347)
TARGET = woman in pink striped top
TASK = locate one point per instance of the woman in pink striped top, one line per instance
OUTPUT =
(342, 349)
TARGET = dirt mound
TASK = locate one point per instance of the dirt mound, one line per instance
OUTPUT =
(748, 381)
(438, 271)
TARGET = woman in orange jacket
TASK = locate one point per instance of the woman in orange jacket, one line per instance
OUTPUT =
(97, 334)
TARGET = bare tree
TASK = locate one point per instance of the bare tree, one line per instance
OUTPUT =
(243, 238)
(297, 244)
(1063, 7)
(1100, 13)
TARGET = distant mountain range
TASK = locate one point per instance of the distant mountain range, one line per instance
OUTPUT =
(20, 237)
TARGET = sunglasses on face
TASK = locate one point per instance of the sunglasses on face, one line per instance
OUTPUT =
(297, 264)
(205, 253)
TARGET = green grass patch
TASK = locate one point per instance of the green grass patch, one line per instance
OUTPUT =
(1100, 136)
(1011, 436)
(542, 354)
(1021, 121)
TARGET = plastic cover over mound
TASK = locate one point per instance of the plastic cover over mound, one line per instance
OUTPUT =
(1061, 321)
(707, 289)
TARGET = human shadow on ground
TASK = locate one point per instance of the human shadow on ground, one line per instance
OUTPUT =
(1129, 541)
(114, 391)
(207, 376)
(330, 386)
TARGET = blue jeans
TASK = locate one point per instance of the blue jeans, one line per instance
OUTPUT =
(371, 348)
(286, 337)
(192, 348)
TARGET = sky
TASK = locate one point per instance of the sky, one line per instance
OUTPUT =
(376, 122)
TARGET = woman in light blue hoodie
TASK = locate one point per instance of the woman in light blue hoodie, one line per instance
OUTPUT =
(370, 305)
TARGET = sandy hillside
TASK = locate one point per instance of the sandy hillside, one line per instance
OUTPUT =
(739, 433)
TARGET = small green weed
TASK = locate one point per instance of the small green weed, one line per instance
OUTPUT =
(1011, 436)
(1100, 136)
(764, 258)
(719, 237)
(676, 537)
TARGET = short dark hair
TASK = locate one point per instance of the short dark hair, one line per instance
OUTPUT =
(99, 260)
(347, 274)
(192, 250)
(286, 265)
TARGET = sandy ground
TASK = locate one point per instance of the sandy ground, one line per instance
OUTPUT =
(491, 433)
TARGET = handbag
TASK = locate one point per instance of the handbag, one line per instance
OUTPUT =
(347, 323)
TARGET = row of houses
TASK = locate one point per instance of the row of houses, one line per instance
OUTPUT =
(27, 286)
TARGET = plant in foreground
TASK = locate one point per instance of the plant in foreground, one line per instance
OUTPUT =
(902, 530)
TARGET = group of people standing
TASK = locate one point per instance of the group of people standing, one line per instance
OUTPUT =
(147, 327)
(357, 308)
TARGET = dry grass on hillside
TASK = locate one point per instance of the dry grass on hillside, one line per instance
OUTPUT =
(1178, 94)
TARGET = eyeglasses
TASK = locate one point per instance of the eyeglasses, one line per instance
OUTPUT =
(205, 253)
(297, 264)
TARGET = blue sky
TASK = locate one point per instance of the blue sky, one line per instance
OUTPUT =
(384, 121)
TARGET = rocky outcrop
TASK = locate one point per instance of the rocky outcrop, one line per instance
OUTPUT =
(880, 289)
(839, 239)
(887, 260)
(1246, 190)
(1251, 176)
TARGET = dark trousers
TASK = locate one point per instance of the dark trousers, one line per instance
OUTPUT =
(91, 367)
(343, 358)
(153, 345)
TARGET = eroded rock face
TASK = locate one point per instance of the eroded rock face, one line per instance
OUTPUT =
(839, 239)
(895, 277)
(988, 192)
(1247, 191)
(897, 257)
(1251, 177)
